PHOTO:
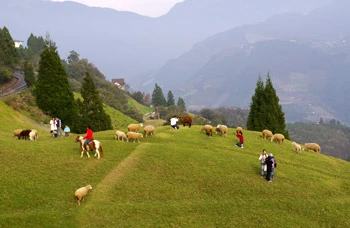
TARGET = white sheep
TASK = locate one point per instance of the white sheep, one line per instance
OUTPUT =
(135, 127)
(222, 129)
(208, 129)
(81, 193)
(33, 135)
(149, 130)
(17, 133)
(120, 135)
(297, 147)
(239, 130)
(134, 135)
(312, 146)
(266, 134)
(277, 137)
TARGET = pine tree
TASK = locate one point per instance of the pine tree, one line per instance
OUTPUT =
(170, 100)
(29, 75)
(53, 92)
(8, 52)
(181, 103)
(265, 111)
(92, 107)
(158, 98)
(256, 116)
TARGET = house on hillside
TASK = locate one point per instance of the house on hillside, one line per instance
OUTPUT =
(18, 43)
(119, 82)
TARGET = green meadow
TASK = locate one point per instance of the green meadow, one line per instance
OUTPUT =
(171, 179)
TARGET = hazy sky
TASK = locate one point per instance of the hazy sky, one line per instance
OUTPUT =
(152, 8)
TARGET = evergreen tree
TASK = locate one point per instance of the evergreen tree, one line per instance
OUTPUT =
(170, 100)
(29, 75)
(92, 107)
(158, 98)
(181, 103)
(256, 116)
(265, 111)
(8, 52)
(53, 93)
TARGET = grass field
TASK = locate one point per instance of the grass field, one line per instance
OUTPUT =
(171, 179)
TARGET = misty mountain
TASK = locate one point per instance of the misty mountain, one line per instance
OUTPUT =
(307, 56)
(124, 44)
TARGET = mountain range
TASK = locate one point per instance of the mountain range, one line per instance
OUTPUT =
(209, 52)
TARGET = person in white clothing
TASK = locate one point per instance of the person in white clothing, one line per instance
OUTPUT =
(173, 122)
(262, 159)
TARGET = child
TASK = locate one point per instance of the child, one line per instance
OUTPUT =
(241, 140)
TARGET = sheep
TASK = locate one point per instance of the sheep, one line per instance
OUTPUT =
(33, 135)
(120, 135)
(239, 130)
(186, 120)
(24, 134)
(222, 129)
(277, 137)
(312, 146)
(81, 193)
(135, 127)
(134, 135)
(266, 134)
(17, 133)
(297, 147)
(208, 129)
(149, 130)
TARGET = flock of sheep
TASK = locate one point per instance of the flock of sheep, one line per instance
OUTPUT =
(30, 134)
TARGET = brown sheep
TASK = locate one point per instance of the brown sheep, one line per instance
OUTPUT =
(208, 129)
(312, 146)
(24, 134)
(277, 137)
(81, 193)
(134, 135)
(266, 134)
(149, 130)
(239, 130)
(186, 120)
(135, 127)
(120, 135)
(222, 129)
(17, 133)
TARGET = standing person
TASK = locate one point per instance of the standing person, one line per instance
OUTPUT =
(262, 159)
(53, 127)
(241, 140)
(66, 130)
(89, 136)
(58, 125)
(173, 122)
(273, 166)
(269, 164)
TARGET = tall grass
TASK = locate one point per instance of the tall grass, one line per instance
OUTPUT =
(171, 179)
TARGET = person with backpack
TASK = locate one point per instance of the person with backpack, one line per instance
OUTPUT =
(269, 163)
(58, 125)
(262, 159)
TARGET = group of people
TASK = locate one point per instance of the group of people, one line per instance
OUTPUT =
(268, 164)
(56, 129)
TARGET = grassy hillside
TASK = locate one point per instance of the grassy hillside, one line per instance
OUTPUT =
(171, 179)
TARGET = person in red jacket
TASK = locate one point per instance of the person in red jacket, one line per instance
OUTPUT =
(89, 136)
(241, 140)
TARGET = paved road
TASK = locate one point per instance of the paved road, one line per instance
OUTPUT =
(19, 86)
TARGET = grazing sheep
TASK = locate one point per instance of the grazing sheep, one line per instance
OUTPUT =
(33, 135)
(135, 127)
(24, 134)
(277, 137)
(149, 130)
(312, 146)
(297, 147)
(81, 193)
(239, 130)
(208, 129)
(120, 135)
(134, 135)
(222, 129)
(186, 120)
(266, 134)
(17, 133)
